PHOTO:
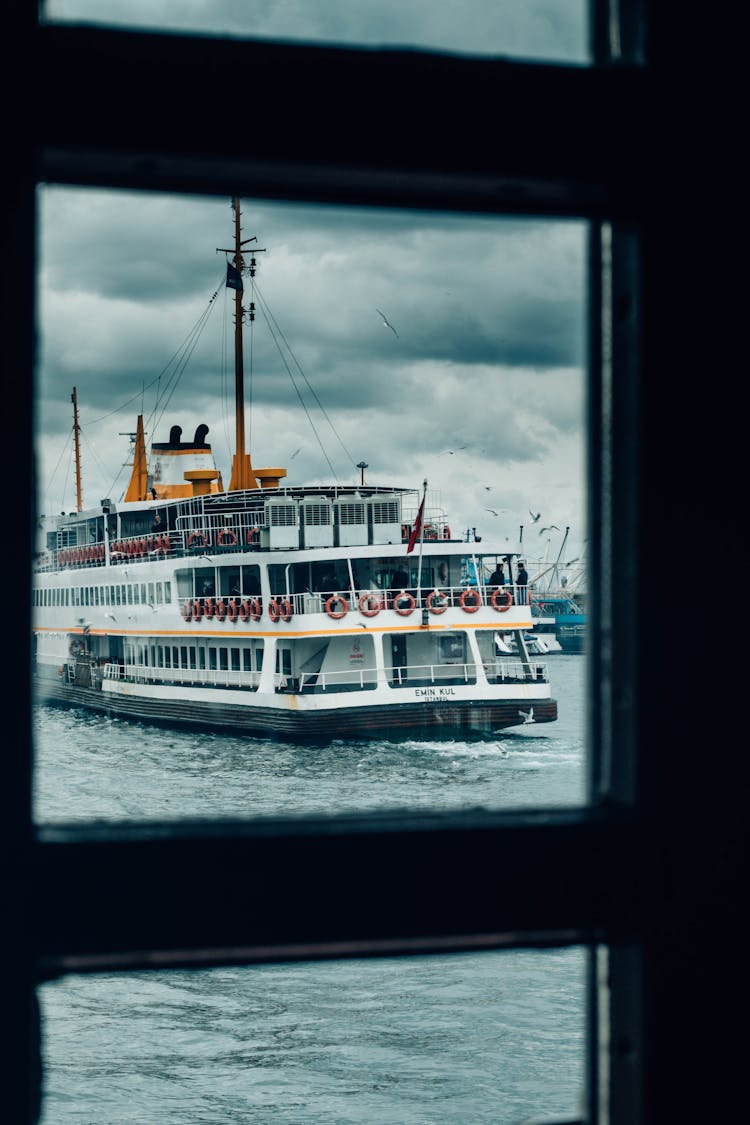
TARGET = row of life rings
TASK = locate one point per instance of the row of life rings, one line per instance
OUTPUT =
(80, 556)
(227, 538)
(248, 609)
(141, 548)
(404, 603)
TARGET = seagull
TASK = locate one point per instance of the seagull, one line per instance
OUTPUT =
(534, 517)
(572, 561)
(527, 716)
(295, 453)
(552, 527)
(387, 322)
(494, 512)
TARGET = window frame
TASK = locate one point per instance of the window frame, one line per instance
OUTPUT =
(615, 876)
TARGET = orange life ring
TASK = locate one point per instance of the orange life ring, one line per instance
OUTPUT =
(244, 610)
(285, 610)
(442, 606)
(232, 609)
(273, 609)
(227, 537)
(197, 610)
(187, 609)
(256, 609)
(369, 604)
(404, 611)
(501, 590)
(208, 608)
(251, 536)
(339, 600)
(475, 596)
(221, 610)
(196, 539)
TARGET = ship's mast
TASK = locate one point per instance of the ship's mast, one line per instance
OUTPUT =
(242, 470)
(77, 447)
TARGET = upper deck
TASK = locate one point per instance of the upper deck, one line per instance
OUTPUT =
(253, 520)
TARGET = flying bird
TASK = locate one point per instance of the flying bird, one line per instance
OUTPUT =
(527, 716)
(552, 527)
(572, 561)
(387, 322)
(534, 518)
(295, 453)
(494, 512)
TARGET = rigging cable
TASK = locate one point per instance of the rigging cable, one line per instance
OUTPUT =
(294, 384)
(269, 316)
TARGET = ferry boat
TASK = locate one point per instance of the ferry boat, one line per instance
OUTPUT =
(307, 613)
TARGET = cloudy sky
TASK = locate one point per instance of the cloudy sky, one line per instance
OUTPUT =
(477, 386)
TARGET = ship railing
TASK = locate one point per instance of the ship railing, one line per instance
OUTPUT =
(367, 679)
(369, 602)
(431, 675)
(503, 671)
(199, 677)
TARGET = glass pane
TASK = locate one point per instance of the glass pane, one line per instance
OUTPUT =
(553, 30)
(416, 383)
(488, 1038)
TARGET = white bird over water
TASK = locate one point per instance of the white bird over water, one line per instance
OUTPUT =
(527, 716)
(387, 322)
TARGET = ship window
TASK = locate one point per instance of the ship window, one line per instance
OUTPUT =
(235, 655)
(223, 659)
(250, 581)
(183, 657)
(247, 660)
(229, 581)
(212, 664)
(167, 592)
(201, 658)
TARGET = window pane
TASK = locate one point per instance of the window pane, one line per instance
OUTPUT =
(387, 349)
(553, 30)
(492, 1038)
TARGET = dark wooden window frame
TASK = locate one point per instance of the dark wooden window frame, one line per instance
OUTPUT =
(646, 876)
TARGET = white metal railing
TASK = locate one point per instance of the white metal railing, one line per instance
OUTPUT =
(200, 677)
(369, 602)
(498, 671)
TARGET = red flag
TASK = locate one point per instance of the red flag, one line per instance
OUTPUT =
(416, 531)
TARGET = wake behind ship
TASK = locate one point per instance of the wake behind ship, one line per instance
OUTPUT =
(306, 613)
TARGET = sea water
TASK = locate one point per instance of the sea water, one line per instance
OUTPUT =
(487, 1037)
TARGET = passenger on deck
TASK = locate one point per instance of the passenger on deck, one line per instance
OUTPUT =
(522, 581)
(497, 578)
(399, 580)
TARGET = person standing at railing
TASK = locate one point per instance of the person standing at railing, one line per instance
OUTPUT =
(497, 578)
(522, 581)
